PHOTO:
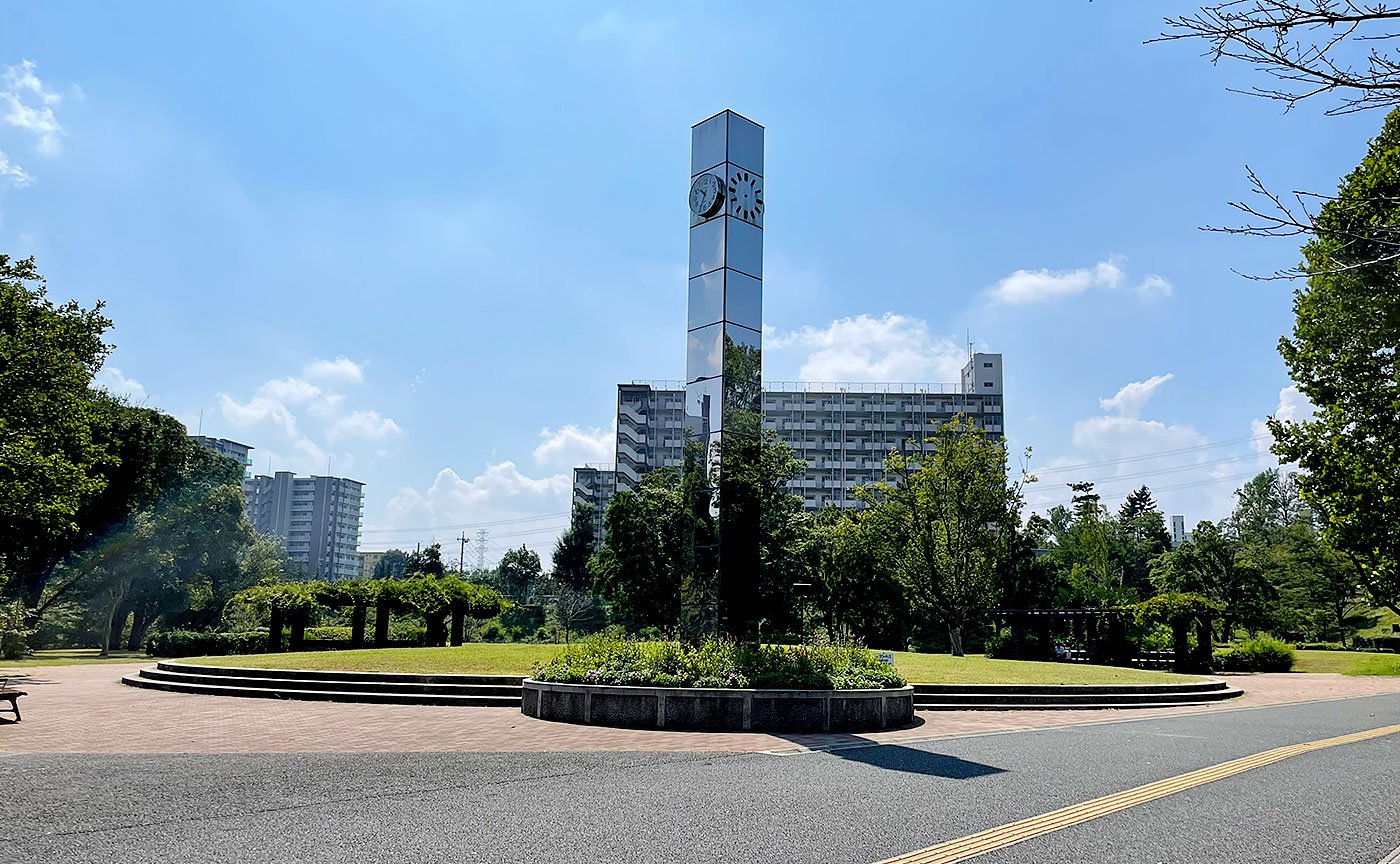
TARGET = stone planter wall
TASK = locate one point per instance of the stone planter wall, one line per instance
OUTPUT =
(719, 709)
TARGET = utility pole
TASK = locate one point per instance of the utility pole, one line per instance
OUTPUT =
(462, 554)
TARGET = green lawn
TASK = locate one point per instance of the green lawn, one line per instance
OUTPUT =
(480, 658)
(1347, 662)
(72, 657)
(978, 669)
(506, 659)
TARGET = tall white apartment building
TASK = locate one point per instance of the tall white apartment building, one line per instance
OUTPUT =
(317, 517)
(842, 431)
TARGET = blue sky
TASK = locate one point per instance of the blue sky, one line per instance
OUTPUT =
(421, 243)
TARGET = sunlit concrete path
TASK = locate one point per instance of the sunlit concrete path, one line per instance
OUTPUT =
(85, 709)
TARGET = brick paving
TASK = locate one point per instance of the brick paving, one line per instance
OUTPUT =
(86, 709)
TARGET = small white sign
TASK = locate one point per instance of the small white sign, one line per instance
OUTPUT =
(885, 657)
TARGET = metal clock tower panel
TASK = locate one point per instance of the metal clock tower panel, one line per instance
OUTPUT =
(723, 352)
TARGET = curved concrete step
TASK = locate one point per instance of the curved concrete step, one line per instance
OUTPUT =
(1074, 689)
(1041, 706)
(289, 689)
(327, 675)
(360, 685)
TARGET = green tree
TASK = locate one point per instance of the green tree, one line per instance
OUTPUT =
(50, 464)
(1344, 354)
(518, 571)
(574, 548)
(641, 567)
(423, 562)
(391, 566)
(953, 517)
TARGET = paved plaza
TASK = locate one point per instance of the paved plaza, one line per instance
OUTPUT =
(86, 709)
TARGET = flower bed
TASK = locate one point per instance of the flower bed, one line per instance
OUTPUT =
(718, 663)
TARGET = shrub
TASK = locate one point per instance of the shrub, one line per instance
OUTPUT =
(492, 632)
(328, 634)
(1320, 646)
(715, 662)
(13, 633)
(184, 643)
(1260, 654)
(999, 646)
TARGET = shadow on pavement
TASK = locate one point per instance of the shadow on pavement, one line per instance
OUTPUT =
(897, 757)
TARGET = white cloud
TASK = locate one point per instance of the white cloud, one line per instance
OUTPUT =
(1293, 407)
(1153, 287)
(1128, 401)
(497, 495)
(1119, 451)
(258, 411)
(1039, 286)
(1028, 287)
(30, 106)
(363, 424)
(889, 348)
(571, 445)
(111, 379)
(339, 369)
(18, 176)
(290, 390)
(638, 36)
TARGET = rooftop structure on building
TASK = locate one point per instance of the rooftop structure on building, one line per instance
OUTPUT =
(226, 447)
(317, 517)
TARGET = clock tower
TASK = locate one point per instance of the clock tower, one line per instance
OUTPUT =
(723, 359)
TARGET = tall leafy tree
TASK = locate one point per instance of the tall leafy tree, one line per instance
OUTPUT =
(574, 548)
(50, 464)
(424, 562)
(1344, 354)
(391, 566)
(954, 516)
(518, 571)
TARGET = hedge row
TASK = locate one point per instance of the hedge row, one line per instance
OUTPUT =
(186, 643)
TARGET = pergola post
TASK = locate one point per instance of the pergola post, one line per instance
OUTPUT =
(381, 623)
(357, 626)
(458, 614)
(276, 619)
(297, 638)
(1181, 647)
(1205, 649)
(1018, 637)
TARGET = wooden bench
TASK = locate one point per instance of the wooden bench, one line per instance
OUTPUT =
(12, 696)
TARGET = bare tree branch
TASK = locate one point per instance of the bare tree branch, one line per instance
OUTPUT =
(1314, 47)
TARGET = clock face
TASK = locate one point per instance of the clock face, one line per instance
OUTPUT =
(706, 195)
(746, 196)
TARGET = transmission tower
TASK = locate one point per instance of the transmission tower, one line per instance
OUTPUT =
(481, 549)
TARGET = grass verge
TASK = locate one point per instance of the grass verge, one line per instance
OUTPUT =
(1347, 662)
(73, 657)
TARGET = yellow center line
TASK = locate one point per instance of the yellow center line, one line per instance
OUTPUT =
(1016, 832)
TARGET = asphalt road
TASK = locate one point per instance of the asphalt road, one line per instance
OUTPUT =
(856, 805)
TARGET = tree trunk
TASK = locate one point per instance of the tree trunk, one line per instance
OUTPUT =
(357, 626)
(276, 618)
(140, 623)
(955, 641)
(114, 631)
